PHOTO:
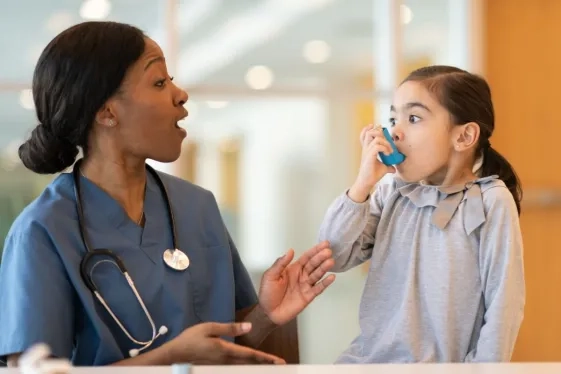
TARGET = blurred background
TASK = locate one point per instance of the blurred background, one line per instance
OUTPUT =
(279, 91)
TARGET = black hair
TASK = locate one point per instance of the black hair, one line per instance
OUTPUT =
(78, 71)
(468, 99)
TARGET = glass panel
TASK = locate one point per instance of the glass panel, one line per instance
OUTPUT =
(279, 91)
(426, 32)
(18, 186)
(282, 35)
(45, 19)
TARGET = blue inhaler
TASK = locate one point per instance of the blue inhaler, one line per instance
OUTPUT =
(393, 158)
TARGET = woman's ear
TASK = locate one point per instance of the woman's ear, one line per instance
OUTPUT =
(465, 136)
(105, 117)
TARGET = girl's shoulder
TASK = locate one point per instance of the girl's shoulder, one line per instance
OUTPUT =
(496, 196)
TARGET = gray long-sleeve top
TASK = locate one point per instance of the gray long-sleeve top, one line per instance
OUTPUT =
(446, 277)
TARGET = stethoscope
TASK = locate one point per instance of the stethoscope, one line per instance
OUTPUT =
(174, 259)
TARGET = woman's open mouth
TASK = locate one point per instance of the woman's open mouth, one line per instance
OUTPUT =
(181, 129)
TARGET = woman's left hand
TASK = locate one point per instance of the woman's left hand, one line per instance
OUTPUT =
(286, 289)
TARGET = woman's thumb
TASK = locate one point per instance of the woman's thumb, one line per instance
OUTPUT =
(227, 329)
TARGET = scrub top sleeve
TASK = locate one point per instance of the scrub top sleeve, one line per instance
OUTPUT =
(245, 292)
(36, 296)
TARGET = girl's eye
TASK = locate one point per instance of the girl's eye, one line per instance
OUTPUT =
(414, 119)
(392, 121)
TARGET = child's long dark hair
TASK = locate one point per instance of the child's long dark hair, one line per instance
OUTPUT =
(468, 99)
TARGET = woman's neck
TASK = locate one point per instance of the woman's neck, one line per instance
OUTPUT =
(124, 180)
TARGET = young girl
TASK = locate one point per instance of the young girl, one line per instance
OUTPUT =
(446, 278)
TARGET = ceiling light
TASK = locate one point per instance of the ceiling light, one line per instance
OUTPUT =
(316, 51)
(405, 14)
(243, 32)
(259, 77)
(95, 9)
(26, 99)
(217, 104)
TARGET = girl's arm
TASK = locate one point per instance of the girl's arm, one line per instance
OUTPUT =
(502, 277)
(350, 227)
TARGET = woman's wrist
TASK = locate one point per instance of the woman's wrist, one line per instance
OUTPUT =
(171, 353)
(165, 355)
(262, 326)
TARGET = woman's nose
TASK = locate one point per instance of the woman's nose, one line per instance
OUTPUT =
(181, 97)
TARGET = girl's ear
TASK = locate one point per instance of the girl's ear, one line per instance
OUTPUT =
(465, 137)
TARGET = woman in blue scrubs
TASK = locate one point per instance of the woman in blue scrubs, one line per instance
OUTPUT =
(115, 263)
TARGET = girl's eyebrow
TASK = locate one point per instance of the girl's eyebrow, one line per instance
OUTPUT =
(412, 105)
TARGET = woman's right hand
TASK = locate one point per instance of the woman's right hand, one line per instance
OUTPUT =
(371, 169)
(202, 345)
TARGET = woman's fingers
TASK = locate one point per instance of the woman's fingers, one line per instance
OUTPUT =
(320, 286)
(239, 354)
(315, 275)
(322, 260)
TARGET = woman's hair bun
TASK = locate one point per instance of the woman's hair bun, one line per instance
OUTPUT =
(44, 153)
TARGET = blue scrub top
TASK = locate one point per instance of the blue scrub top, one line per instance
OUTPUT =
(44, 299)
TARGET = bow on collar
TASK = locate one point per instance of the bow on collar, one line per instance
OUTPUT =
(446, 201)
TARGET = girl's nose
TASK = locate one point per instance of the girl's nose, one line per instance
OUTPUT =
(397, 135)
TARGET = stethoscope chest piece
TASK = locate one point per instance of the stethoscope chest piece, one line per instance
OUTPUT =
(176, 259)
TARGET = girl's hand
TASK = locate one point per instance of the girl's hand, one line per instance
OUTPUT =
(371, 169)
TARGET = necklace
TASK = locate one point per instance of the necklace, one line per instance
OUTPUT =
(139, 222)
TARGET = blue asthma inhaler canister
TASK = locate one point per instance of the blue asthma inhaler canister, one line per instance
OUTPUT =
(393, 158)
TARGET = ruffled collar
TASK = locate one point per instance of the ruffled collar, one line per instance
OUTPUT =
(447, 199)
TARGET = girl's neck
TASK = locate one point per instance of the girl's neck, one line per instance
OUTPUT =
(451, 177)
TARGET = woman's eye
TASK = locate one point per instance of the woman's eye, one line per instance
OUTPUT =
(162, 82)
(414, 119)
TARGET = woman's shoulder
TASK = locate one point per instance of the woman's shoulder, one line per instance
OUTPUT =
(183, 192)
(178, 185)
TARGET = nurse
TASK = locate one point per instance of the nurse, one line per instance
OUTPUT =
(115, 263)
